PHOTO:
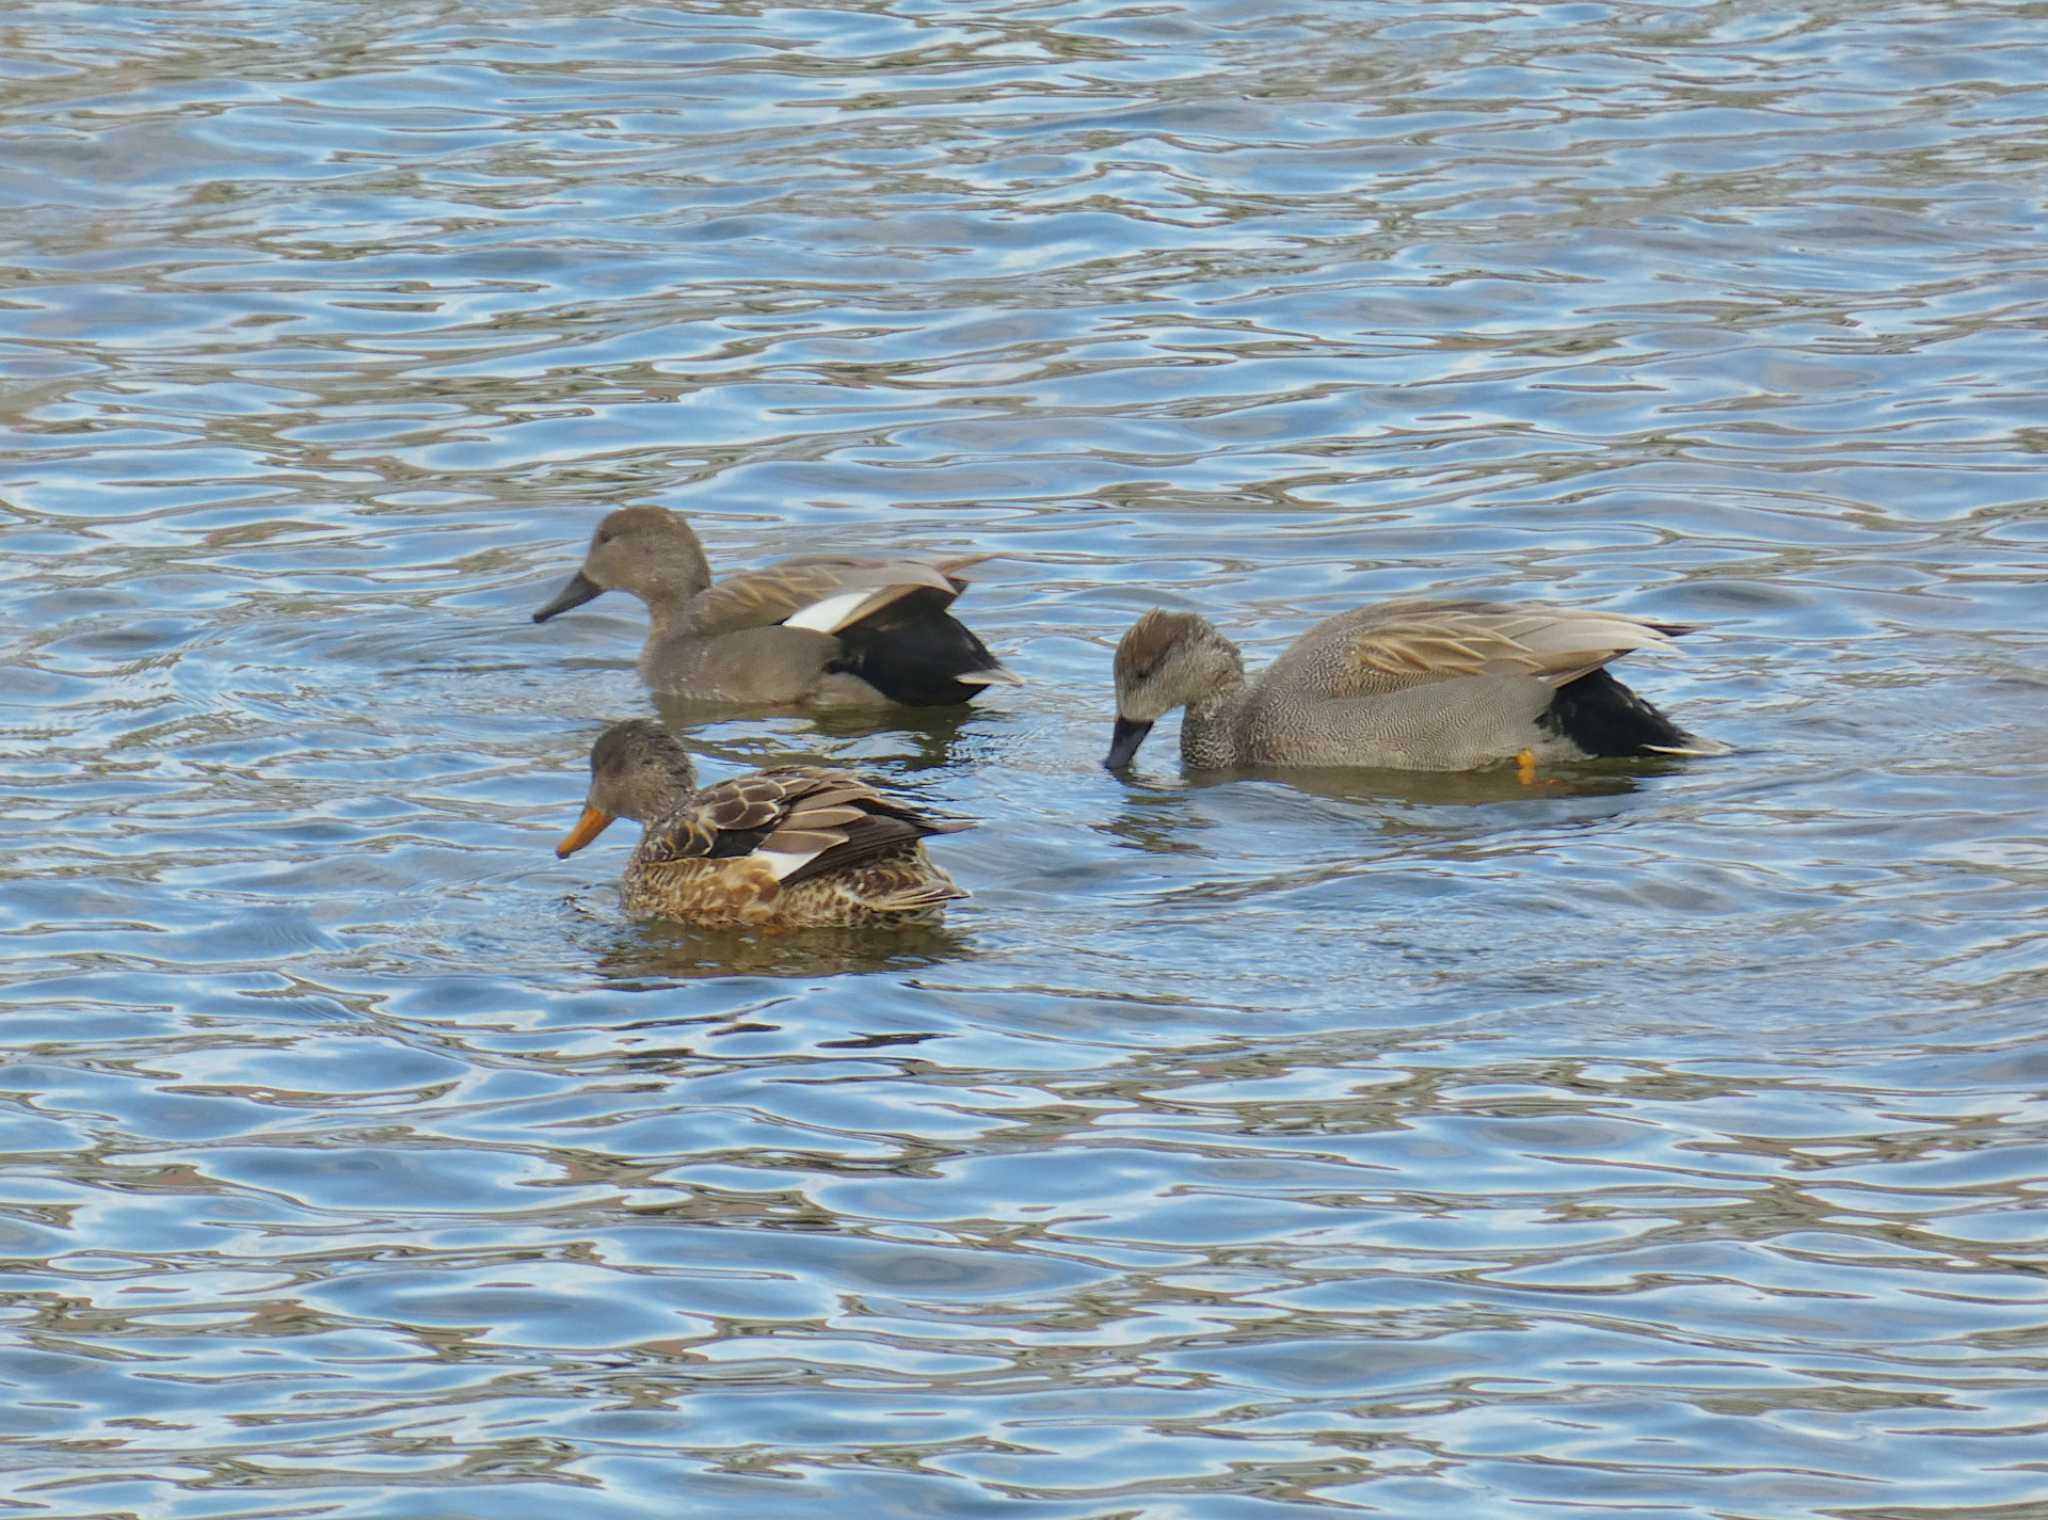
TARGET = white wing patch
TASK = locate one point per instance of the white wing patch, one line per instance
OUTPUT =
(784, 862)
(836, 612)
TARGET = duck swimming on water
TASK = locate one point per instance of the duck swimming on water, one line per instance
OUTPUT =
(790, 848)
(1427, 686)
(815, 631)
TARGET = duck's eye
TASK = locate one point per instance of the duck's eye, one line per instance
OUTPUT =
(604, 535)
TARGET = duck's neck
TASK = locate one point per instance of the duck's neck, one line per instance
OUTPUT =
(659, 793)
(1208, 731)
(679, 576)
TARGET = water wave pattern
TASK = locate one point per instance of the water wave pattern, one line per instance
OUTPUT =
(1657, 1140)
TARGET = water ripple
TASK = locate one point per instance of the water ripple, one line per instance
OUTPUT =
(1659, 1138)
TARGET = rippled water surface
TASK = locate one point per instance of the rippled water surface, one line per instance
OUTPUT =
(1659, 1140)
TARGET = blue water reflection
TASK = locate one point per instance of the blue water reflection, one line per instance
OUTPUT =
(1660, 1138)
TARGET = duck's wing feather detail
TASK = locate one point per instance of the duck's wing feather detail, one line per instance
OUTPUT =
(799, 821)
(1413, 644)
(823, 593)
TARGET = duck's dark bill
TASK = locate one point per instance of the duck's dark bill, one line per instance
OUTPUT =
(1123, 744)
(593, 823)
(581, 588)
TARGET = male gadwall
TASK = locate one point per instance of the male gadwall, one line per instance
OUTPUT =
(809, 631)
(797, 847)
(1425, 686)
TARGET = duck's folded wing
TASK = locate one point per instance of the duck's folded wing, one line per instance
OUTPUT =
(799, 821)
(1424, 642)
(825, 594)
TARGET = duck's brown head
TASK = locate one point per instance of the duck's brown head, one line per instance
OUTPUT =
(648, 551)
(638, 771)
(1167, 660)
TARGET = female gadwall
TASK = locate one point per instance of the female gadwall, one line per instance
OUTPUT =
(810, 631)
(1426, 686)
(792, 848)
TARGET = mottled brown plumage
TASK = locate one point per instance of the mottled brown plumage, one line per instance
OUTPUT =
(794, 847)
(816, 631)
(1404, 685)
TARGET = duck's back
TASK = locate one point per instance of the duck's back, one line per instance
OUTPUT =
(792, 847)
(1431, 685)
(827, 630)
(1370, 651)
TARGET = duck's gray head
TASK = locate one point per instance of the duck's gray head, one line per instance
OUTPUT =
(1167, 660)
(637, 771)
(649, 551)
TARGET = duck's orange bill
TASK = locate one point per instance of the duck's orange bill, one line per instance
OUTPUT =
(593, 823)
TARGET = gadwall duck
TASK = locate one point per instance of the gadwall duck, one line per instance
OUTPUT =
(796, 847)
(814, 631)
(1426, 686)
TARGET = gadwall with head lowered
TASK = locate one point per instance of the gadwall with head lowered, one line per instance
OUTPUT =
(1426, 686)
(796, 847)
(813, 631)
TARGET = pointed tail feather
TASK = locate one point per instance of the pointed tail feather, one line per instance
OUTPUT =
(995, 675)
(1693, 745)
(921, 898)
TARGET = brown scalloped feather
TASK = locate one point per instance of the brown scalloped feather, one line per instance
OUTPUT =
(708, 863)
(807, 815)
(743, 893)
(746, 802)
